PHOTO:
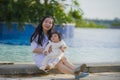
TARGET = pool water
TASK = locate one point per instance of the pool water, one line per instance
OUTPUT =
(87, 46)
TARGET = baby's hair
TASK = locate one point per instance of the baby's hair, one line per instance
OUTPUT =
(59, 35)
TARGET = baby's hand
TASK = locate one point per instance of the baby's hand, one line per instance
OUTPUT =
(60, 47)
(45, 52)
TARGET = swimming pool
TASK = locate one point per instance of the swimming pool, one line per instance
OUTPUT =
(88, 45)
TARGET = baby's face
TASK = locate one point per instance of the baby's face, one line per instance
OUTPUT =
(54, 38)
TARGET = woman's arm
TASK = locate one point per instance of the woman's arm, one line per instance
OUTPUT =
(35, 49)
(49, 47)
(38, 50)
(63, 48)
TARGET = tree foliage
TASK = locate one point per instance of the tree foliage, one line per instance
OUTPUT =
(116, 22)
(31, 11)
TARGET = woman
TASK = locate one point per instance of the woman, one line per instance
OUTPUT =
(39, 40)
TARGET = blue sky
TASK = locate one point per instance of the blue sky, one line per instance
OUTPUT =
(100, 9)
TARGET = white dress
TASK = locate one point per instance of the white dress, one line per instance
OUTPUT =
(55, 56)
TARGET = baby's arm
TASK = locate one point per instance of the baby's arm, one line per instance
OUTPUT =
(46, 51)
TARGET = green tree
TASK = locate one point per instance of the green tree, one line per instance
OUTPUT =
(31, 11)
(116, 22)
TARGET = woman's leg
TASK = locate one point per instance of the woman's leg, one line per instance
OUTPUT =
(67, 70)
(64, 69)
(67, 63)
(76, 70)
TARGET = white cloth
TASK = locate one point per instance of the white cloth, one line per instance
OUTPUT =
(55, 56)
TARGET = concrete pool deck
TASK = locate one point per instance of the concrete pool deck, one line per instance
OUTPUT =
(28, 71)
(92, 76)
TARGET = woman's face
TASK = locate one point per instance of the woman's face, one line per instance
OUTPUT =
(54, 38)
(47, 24)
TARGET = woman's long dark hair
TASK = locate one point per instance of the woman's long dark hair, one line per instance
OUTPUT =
(39, 31)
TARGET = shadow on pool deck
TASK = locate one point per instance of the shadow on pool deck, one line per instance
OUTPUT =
(92, 76)
(31, 69)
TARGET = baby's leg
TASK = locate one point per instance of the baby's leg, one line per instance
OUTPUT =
(45, 61)
(44, 64)
(43, 67)
(53, 63)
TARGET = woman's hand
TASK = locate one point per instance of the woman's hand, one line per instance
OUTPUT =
(38, 50)
(62, 48)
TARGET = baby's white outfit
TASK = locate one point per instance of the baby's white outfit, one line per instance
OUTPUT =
(55, 56)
